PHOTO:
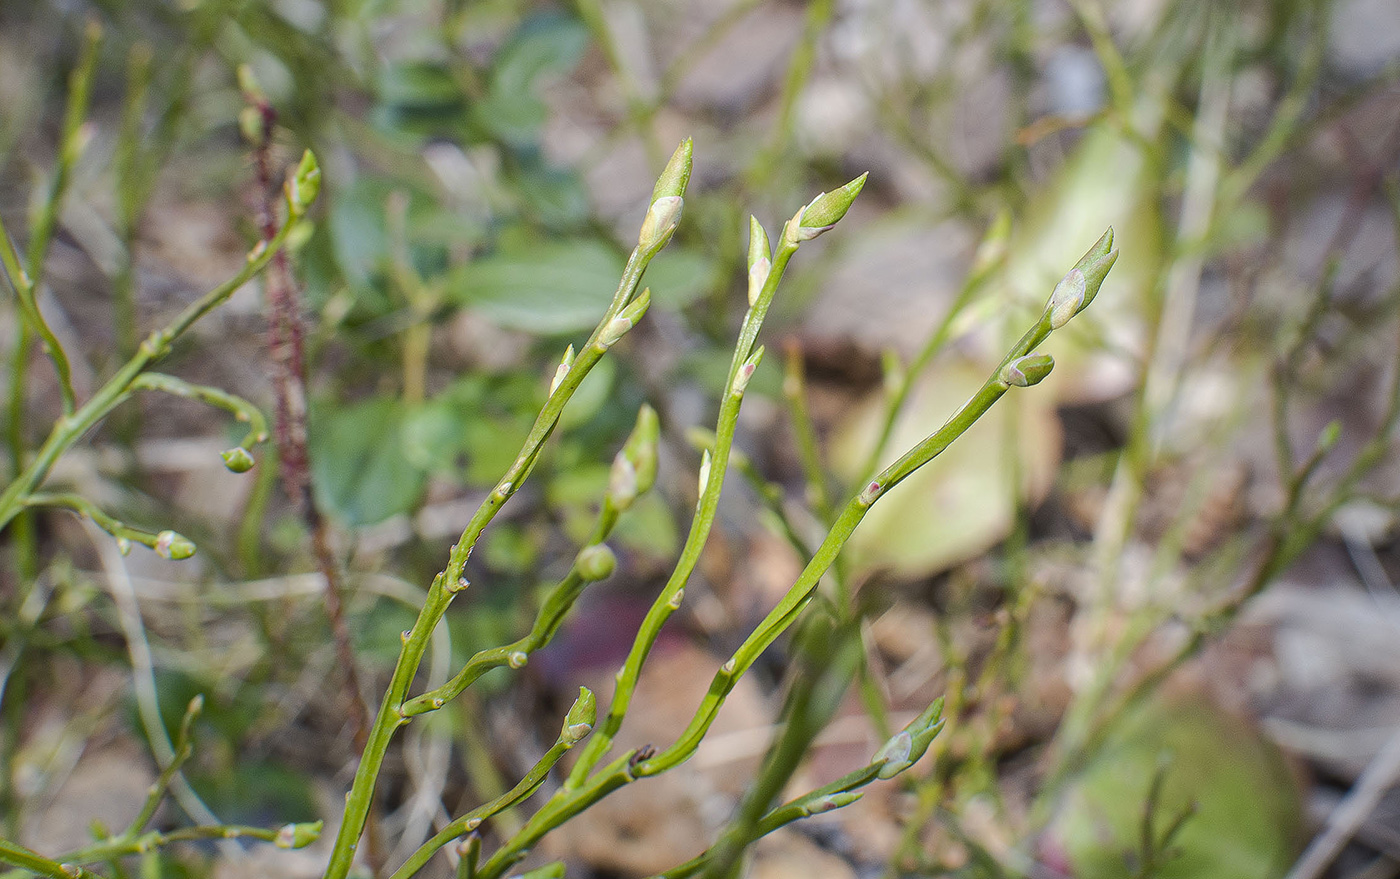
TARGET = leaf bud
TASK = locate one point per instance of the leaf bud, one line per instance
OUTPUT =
(581, 717)
(237, 459)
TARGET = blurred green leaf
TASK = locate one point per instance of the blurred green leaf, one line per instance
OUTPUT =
(548, 43)
(679, 276)
(1247, 820)
(553, 288)
(361, 472)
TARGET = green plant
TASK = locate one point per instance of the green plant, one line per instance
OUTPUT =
(633, 470)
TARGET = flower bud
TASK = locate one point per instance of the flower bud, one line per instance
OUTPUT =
(660, 222)
(759, 262)
(641, 447)
(676, 177)
(298, 835)
(1026, 371)
(581, 717)
(170, 545)
(625, 321)
(745, 373)
(595, 562)
(894, 755)
(824, 211)
(830, 802)
(1079, 287)
(305, 184)
(562, 370)
(237, 459)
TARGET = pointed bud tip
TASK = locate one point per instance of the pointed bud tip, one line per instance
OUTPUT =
(674, 180)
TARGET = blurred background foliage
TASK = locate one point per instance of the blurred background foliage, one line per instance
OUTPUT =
(485, 166)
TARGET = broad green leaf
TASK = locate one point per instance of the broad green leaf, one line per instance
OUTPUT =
(679, 276)
(361, 473)
(549, 43)
(554, 288)
(1247, 820)
(961, 503)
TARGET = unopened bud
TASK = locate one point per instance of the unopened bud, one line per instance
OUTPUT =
(759, 262)
(581, 717)
(1026, 371)
(170, 545)
(237, 459)
(595, 562)
(824, 211)
(745, 373)
(305, 184)
(1082, 283)
(893, 757)
(704, 479)
(830, 802)
(1067, 298)
(660, 223)
(674, 180)
(562, 370)
(298, 835)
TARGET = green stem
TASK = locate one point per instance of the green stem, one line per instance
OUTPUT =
(797, 597)
(69, 428)
(36, 863)
(391, 714)
(669, 600)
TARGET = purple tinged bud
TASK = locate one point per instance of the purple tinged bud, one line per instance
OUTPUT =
(828, 208)
(174, 546)
(1079, 287)
(1067, 298)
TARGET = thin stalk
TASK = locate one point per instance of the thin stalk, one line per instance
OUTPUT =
(801, 592)
(450, 581)
(671, 595)
(70, 428)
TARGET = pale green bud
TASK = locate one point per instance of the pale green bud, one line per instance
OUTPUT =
(237, 459)
(305, 184)
(581, 717)
(674, 180)
(661, 221)
(1026, 371)
(170, 545)
(824, 211)
(298, 835)
(830, 802)
(760, 263)
(595, 562)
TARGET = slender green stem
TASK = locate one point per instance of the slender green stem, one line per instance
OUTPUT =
(671, 595)
(801, 592)
(555, 607)
(473, 819)
(68, 429)
(448, 583)
(36, 863)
